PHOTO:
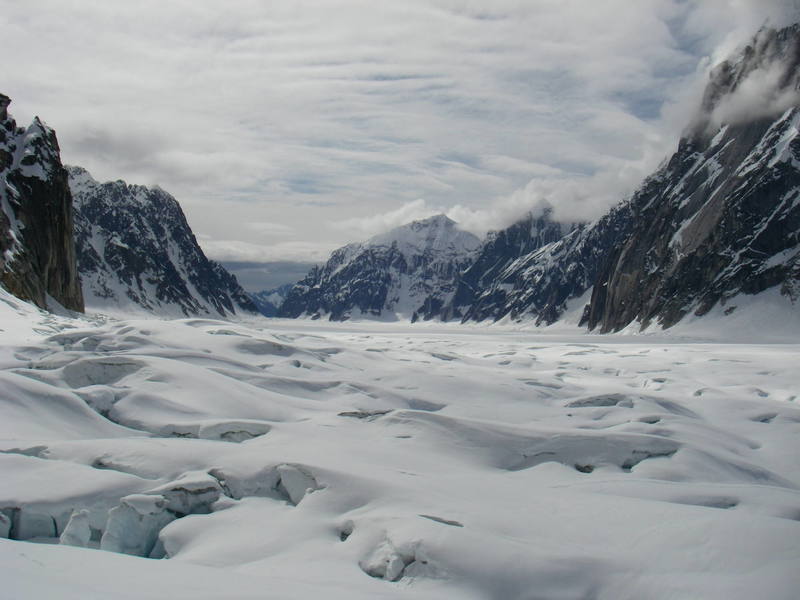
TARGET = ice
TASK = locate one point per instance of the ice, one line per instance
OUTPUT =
(78, 531)
(192, 493)
(30, 525)
(385, 562)
(5, 526)
(133, 526)
(296, 482)
(429, 461)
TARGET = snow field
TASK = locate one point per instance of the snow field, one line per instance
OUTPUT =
(284, 459)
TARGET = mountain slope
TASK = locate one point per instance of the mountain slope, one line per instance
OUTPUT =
(37, 251)
(136, 251)
(722, 218)
(499, 281)
(403, 272)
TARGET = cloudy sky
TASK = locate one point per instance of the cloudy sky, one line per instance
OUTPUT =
(286, 128)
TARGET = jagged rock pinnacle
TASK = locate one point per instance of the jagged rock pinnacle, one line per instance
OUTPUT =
(4, 102)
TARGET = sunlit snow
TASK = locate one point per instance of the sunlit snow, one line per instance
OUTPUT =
(290, 459)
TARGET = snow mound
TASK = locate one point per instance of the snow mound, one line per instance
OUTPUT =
(372, 461)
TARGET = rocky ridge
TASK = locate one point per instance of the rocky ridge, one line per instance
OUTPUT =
(406, 272)
(722, 217)
(135, 250)
(37, 249)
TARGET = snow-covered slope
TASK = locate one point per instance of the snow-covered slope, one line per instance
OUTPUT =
(391, 461)
(37, 250)
(137, 253)
(401, 273)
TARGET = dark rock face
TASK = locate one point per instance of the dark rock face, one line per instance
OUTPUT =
(404, 272)
(37, 249)
(515, 274)
(135, 249)
(723, 216)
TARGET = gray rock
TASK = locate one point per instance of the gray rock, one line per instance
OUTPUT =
(722, 217)
(134, 246)
(37, 248)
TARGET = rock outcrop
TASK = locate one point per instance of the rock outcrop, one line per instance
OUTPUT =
(722, 217)
(37, 248)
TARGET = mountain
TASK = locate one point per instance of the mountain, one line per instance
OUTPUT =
(499, 280)
(37, 250)
(136, 250)
(406, 272)
(268, 302)
(722, 217)
(719, 219)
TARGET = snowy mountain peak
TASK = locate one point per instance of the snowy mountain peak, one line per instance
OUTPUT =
(719, 221)
(438, 234)
(402, 272)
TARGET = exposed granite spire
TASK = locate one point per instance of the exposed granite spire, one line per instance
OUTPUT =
(4, 102)
(37, 247)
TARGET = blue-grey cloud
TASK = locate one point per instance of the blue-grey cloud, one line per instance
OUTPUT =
(313, 113)
(257, 276)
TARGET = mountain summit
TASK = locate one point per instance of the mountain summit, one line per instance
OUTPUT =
(394, 274)
(136, 251)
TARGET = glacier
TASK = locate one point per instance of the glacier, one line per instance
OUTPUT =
(280, 458)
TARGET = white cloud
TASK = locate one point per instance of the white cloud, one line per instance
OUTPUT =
(239, 251)
(301, 114)
(760, 95)
(272, 229)
(359, 228)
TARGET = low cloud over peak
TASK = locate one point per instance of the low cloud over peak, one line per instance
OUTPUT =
(312, 123)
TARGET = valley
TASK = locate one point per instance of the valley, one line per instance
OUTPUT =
(364, 460)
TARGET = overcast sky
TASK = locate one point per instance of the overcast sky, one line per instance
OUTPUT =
(286, 128)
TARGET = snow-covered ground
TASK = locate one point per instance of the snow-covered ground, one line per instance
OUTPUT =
(291, 459)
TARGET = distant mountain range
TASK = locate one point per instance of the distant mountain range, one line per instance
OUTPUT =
(719, 219)
(268, 302)
(392, 275)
